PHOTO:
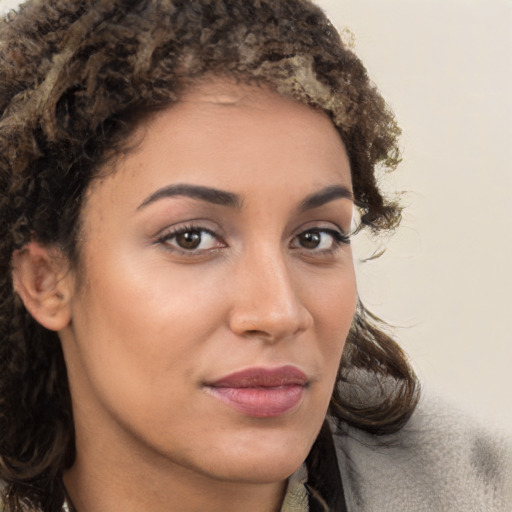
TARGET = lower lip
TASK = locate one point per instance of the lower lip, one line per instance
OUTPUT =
(264, 402)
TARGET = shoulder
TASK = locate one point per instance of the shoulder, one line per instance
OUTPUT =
(440, 461)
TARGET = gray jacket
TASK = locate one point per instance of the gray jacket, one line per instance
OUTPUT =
(441, 461)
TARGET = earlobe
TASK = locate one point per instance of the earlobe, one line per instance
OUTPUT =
(40, 277)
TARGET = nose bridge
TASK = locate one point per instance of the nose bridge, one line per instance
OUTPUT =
(266, 301)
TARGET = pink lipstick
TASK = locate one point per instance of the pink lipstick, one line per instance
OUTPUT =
(261, 392)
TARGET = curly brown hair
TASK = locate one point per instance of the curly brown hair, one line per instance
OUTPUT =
(77, 78)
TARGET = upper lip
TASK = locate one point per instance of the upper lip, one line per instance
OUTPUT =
(262, 377)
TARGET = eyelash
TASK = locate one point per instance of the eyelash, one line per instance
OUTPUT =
(338, 238)
(167, 237)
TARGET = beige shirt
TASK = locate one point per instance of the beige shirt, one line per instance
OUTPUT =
(296, 499)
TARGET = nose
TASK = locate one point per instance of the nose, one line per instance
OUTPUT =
(266, 303)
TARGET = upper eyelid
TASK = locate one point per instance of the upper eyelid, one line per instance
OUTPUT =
(183, 227)
(322, 226)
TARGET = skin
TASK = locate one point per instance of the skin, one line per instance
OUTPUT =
(150, 322)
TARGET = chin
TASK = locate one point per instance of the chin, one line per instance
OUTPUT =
(262, 470)
(264, 459)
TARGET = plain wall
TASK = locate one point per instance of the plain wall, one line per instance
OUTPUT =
(446, 279)
(445, 68)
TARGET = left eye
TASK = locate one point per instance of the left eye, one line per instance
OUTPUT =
(320, 239)
(191, 239)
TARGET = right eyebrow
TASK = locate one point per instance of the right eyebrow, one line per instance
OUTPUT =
(208, 194)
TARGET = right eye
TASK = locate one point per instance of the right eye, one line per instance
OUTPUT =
(191, 239)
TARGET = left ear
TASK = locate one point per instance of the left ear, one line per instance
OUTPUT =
(42, 279)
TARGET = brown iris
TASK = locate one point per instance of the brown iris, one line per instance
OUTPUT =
(310, 239)
(189, 239)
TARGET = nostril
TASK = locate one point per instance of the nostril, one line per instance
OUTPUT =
(255, 333)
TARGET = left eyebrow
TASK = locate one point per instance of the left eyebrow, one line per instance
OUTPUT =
(324, 196)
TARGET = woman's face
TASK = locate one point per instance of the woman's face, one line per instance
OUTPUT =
(216, 289)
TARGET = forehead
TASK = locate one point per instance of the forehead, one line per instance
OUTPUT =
(227, 135)
(258, 117)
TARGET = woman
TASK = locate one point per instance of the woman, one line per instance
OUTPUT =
(179, 318)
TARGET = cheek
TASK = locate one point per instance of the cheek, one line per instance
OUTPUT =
(142, 318)
(336, 308)
(333, 301)
(127, 331)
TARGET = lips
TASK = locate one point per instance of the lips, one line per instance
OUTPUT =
(261, 392)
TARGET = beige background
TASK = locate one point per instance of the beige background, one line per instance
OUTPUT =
(446, 278)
